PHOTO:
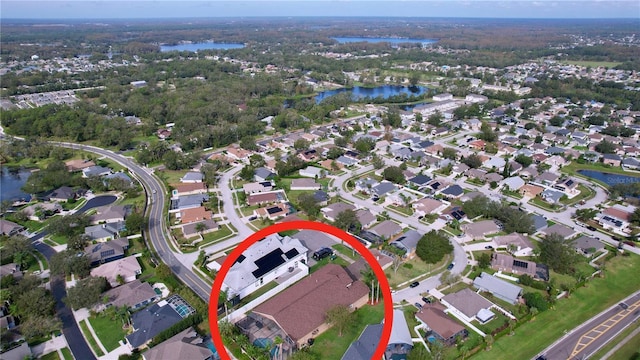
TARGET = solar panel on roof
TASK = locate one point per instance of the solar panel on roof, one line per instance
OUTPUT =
(273, 210)
(291, 253)
(107, 253)
(268, 262)
(241, 259)
(522, 264)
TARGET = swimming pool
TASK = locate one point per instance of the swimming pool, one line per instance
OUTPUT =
(209, 344)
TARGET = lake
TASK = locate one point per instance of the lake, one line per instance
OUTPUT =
(11, 180)
(385, 91)
(343, 40)
(194, 47)
(609, 178)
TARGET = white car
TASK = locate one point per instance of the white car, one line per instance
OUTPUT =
(154, 191)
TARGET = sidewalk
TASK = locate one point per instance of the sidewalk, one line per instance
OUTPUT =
(55, 344)
(83, 314)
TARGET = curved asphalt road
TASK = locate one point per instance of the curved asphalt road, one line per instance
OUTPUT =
(155, 234)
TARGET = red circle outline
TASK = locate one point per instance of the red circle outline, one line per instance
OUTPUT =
(299, 225)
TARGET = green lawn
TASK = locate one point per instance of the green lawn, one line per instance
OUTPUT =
(454, 288)
(331, 346)
(492, 325)
(600, 293)
(66, 353)
(170, 176)
(585, 194)
(417, 268)
(90, 339)
(628, 351)
(402, 210)
(216, 236)
(338, 260)
(51, 356)
(109, 331)
(346, 251)
(58, 239)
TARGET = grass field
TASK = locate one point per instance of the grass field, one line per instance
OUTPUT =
(331, 346)
(51, 356)
(109, 331)
(635, 341)
(628, 351)
(620, 280)
(90, 339)
(418, 268)
(67, 353)
(593, 64)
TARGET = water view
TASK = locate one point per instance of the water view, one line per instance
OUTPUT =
(609, 178)
(385, 92)
(343, 40)
(11, 180)
(194, 47)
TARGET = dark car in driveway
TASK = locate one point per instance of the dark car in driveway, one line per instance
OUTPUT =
(414, 284)
(450, 266)
(426, 300)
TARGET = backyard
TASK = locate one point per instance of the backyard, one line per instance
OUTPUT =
(620, 280)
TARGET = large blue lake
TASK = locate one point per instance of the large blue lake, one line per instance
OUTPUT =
(343, 40)
(385, 92)
(11, 181)
(609, 178)
(200, 46)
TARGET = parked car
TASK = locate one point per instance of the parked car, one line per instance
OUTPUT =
(252, 218)
(418, 305)
(414, 284)
(322, 253)
(450, 266)
(591, 228)
(426, 300)
(488, 247)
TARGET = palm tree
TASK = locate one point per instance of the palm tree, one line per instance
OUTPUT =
(278, 342)
(200, 228)
(123, 313)
(533, 311)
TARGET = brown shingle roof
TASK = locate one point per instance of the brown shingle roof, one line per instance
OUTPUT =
(433, 315)
(302, 308)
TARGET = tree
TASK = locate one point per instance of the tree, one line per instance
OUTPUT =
(558, 253)
(473, 161)
(340, 317)
(449, 153)
(135, 222)
(86, 292)
(397, 262)
(535, 300)
(377, 162)
(78, 242)
(523, 160)
(248, 143)
(433, 246)
(419, 352)
(486, 133)
(163, 271)
(393, 174)
(247, 173)
(309, 204)
(120, 279)
(533, 311)
(414, 78)
(38, 326)
(435, 119)
(476, 206)
(364, 145)
(35, 302)
(301, 144)
(256, 160)
(70, 262)
(348, 221)
(484, 261)
(334, 153)
(606, 147)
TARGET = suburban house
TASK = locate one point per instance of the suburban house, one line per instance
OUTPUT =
(588, 245)
(63, 193)
(401, 197)
(12, 269)
(265, 261)
(386, 229)
(272, 212)
(192, 229)
(183, 189)
(383, 188)
(135, 294)
(419, 180)
(509, 264)
(551, 196)
(41, 211)
(257, 187)
(499, 288)
(310, 299)
(305, 184)
(480, 229)
(156, 318)
(439, 324)
(568, 186)
(513, 183)
(517, 244)
(612, 159)
(95, 171)
(453, 191)
(104, 232)
(562, 230)
(426, 206)
(187, 202)
(127, 268)
(400, 342)
(408, 242)
(10, 228)
(365, 185)
(107, 251)
(263, 174)
(196, 214)
(366, 218)
(186, 344)
(78, 164)
(469, 306)
(530, 190)
(331, 212)
(313, 172)
(265, 198)
(192, 177)
(110, 214)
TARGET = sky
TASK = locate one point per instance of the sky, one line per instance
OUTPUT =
(123, 9)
